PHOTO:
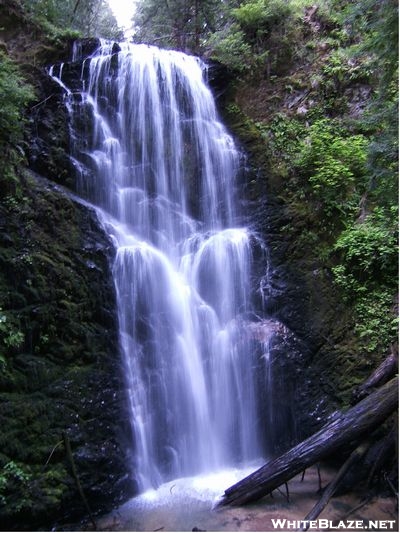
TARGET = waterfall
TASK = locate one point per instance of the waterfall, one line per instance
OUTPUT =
(153, 157)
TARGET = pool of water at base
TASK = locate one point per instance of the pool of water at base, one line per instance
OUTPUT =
(190, 504)
(179, 505)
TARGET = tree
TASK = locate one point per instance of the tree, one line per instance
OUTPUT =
(258, 30)
(95, 18)
(90, 17)
(179, 24)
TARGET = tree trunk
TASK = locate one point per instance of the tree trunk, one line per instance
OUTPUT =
(329, 491)
(346, 429)
(385, 371)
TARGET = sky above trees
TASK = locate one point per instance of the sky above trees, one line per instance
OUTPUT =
(123, 11)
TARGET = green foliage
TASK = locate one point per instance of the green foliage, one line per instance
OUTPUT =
(275, 33)
(283, 134)
(368, 252)
(14, 476)
(46, 9)
(231, 49)
(378, 24)
(375, 24)
(376, 323)
(179, 24)
(375, 319)
(383, 158)
(342, 69)
(256, 34)
(367, 275)
(261, 15)
(10, 335)
(57, 35)
(15, 94)
(16, 472)
(250, 15)
(91, 18)
(334, 163)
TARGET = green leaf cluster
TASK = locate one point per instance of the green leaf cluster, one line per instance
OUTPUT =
(357, 223)
(368, 251)
(376, 321)
(257, 16)
(367, 276)
(14, 475)
(334, 163)
(344, 67)
(15, 94)
(231, 49)
(10, 335)
(255, 36)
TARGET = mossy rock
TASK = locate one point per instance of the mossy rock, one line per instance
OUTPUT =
(59, 359)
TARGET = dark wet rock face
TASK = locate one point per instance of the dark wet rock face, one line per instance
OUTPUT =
(60, 364)
(59, 349)
(49, 140)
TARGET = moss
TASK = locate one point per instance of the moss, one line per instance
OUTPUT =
(61, 374)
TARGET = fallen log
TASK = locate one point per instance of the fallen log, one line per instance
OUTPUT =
(329, 491)
(346, 429)
(386, 370)
(388, 447)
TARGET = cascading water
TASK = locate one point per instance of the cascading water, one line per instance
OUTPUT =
(153, 156)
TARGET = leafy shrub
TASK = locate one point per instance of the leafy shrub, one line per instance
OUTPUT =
(344, 67)
(283, 134)
(367, 275)
(15, 94)
(10, 335)
(12, 476)
(255, 38)
(334, 163)
(231, 49)
(368, 253)
(261, 14)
